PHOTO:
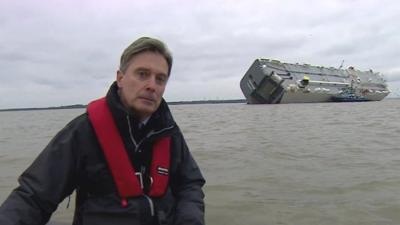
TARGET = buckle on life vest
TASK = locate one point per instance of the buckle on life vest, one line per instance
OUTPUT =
(139, 175)
(149, 181)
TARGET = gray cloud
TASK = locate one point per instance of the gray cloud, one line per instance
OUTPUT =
(66, 52)
(393, 75)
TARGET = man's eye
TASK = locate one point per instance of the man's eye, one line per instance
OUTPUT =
(142, 74)
(161, 79)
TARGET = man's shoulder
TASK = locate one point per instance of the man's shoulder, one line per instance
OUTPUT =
(79, 123)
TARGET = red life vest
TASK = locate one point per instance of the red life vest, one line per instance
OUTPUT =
(117, 158)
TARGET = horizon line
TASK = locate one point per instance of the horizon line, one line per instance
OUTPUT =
(78, 106)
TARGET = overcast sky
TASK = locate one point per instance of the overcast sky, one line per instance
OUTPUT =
(65, 52)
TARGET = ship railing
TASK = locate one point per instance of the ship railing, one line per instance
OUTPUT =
(329, 83)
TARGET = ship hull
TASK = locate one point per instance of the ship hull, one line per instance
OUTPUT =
(272, 82)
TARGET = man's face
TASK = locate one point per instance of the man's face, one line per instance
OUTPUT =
(143, 83)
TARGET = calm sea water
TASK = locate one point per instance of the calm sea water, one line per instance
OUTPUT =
(303, 164)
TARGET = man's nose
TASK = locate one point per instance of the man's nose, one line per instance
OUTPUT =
(151, 84)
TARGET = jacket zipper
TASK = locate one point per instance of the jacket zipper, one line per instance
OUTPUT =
(151, 204)
(137, 145)
(130, 131)
(151, 133)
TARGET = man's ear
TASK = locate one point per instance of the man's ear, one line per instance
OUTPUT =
(119, 77)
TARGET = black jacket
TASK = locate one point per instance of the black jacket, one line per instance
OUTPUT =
(73, 160)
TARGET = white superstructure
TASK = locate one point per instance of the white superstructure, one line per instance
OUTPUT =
(270, 81)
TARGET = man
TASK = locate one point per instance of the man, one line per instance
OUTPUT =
(126, 157)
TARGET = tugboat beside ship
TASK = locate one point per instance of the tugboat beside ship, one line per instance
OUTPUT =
(271, 82)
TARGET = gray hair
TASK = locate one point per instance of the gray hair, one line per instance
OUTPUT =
(141, 45)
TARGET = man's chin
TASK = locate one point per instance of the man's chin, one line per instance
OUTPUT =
(146, 108)
(147, 104)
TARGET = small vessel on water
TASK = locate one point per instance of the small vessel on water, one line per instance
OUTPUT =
(271, 81)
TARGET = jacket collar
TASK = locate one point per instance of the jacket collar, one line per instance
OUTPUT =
(160, 119)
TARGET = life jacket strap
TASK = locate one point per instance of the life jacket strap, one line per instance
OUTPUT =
(114, 150)
(124, 175)
(159, 170)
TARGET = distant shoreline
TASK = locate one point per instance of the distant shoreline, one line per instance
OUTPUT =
(80, 106)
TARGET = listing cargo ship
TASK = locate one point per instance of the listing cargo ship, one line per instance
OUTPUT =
(271, 82)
